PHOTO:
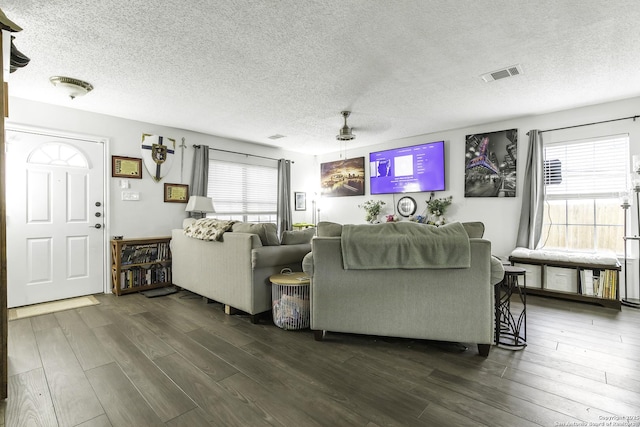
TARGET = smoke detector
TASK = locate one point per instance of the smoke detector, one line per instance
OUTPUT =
(345, 133)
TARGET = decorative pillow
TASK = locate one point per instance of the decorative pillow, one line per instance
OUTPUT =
(297, 237)
(474, 229)
(266, 231)
(208, 229)
(329, 229)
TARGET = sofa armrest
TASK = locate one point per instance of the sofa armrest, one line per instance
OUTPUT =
(307, 264)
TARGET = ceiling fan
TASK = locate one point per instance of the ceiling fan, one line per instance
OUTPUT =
(345, 132)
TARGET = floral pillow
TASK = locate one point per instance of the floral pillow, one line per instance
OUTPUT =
(208, 229)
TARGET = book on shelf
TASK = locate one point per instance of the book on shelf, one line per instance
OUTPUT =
(599, 283)
(140, 276)
(144, 253)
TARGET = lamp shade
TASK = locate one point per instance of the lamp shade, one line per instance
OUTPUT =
(200, 204)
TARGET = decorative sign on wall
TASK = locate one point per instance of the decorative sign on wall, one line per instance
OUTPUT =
(343, 177)
(176, 193)
(157, 154)
(126, 167)
(490, 164)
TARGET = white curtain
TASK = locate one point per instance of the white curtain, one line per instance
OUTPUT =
(284, 196)
(531, 215)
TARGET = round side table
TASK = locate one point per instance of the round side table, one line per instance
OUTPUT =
(511, 325)
(290, 300)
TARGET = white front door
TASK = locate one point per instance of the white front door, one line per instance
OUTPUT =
(55, 217)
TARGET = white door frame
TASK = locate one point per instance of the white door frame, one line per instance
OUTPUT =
(106, 262)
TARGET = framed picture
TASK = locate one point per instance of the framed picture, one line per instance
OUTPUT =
(490, 164)
(176, 193)
(342, 177)
(301, 201)
(126, 167)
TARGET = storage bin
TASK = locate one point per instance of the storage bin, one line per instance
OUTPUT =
(533, 274)
(561, 279)
(290, 306)
(290, 300)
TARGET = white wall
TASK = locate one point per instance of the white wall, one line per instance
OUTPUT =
(500, 215)
(150, 216)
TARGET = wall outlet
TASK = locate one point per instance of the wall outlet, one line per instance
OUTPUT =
(133, 196)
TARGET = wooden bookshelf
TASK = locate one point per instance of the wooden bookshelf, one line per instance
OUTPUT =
(140, 264)
(603, 291)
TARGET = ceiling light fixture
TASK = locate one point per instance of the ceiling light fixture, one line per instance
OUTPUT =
(345, 132)
(70, 86)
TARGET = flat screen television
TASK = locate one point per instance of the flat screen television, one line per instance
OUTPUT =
(408, 169)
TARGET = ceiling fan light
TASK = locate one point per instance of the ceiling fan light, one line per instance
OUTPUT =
(345, 134)
(345, 131)
(70, 86)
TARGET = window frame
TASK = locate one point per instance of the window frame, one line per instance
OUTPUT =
(245, 214)
(603, 198)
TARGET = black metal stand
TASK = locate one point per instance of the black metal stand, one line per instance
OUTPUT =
(511, 331)
(626, 301)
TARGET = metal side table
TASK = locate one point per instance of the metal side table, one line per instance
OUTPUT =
(511, 327)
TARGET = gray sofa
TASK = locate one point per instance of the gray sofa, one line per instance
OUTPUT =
(444, 304)
(235, 271)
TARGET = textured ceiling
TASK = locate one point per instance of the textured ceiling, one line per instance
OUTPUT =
(250, 69)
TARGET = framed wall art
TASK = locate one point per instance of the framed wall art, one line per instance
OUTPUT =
(342, 177)
(300, 201)
(176, 193)
(490, 164)
(126, 167)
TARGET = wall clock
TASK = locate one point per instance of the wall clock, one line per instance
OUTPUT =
(407, 206)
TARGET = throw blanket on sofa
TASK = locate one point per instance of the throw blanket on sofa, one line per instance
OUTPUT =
(405, 245)
(208, 229)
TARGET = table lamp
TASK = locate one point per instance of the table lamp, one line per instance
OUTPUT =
(199, 206)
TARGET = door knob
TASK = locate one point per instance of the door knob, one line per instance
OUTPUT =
(96, 226)
(98, 214)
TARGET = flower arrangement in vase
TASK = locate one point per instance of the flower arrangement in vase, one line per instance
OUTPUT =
(437, 208)
(372, 209)
(434, 213)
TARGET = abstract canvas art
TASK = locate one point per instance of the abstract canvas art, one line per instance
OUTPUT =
(490, 164)
(342, 177)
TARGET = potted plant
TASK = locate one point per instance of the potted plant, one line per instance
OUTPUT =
(437, 208)
(372, 208)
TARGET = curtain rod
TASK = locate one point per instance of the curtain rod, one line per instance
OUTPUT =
(589, 124)
(237, 152)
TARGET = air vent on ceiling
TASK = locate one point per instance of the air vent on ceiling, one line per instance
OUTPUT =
(514, 70)
(276, 136)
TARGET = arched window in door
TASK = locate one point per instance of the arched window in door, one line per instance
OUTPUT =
(58, 154)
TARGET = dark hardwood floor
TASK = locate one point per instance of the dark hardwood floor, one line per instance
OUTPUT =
(178, 361)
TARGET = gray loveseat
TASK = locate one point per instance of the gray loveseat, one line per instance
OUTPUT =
(235, 271)
(445, 304)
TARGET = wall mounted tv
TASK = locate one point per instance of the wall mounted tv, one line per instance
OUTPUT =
(408, 169)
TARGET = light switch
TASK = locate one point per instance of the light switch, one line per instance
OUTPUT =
(133, 196)
(124, 183)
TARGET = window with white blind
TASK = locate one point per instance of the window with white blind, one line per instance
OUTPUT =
(583, 182)
(243, 192)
